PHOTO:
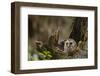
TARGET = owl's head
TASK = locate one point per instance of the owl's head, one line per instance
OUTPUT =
(70, 43)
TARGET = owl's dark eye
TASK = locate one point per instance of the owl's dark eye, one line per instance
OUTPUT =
(66, 43)
(70, 43)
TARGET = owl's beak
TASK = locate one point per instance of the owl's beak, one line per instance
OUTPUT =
(68, 45)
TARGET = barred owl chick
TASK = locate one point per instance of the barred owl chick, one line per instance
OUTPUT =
(70, 47)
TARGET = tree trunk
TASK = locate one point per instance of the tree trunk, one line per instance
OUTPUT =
(79, 29)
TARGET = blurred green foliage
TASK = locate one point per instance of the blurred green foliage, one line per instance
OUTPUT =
(43, 53)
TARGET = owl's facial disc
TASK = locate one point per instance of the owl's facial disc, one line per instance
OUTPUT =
(68, 44)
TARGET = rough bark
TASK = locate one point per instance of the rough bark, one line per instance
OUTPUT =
(79, 29)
